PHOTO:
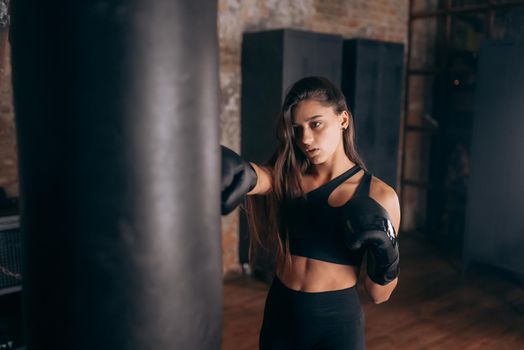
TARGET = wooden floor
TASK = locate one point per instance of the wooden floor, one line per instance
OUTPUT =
(435, 306)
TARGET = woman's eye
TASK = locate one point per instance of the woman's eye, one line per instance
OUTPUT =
(315, 124)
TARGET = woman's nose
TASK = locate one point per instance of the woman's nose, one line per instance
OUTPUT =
(307, 137)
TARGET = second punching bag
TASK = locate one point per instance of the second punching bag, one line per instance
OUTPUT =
(117, 123)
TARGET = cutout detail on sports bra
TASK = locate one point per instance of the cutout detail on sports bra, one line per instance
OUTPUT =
(316, 228)
(336, 181)
(361, 190)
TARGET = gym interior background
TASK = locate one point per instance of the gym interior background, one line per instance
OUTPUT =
(457, 125)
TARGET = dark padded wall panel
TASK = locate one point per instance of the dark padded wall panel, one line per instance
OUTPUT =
(117, 121)
(307, 54)
(495, 207)
(372, 84)
(262, 62)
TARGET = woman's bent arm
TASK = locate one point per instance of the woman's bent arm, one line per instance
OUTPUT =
(387, 197)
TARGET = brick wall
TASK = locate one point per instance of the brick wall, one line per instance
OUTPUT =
(374, 19)
(8, 158)
(419, 113)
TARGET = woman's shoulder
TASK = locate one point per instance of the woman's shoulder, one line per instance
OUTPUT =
(387, 197)
(381, 191)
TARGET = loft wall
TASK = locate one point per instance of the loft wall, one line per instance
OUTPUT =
(378, 19)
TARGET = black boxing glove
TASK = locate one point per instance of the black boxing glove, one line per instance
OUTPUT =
(238, 178)
(368, 226)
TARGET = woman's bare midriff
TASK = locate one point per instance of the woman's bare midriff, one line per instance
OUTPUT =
(311, 275)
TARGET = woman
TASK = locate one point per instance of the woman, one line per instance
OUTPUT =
(319, 211)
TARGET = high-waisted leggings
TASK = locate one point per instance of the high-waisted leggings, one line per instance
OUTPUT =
(312, 320)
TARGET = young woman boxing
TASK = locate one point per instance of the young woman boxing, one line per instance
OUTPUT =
(319, 211)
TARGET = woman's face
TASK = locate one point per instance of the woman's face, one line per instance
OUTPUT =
(318, 130)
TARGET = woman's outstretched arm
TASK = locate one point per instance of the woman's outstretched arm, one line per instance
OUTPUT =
(264, 180)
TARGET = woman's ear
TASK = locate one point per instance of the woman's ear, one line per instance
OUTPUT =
(344, 120)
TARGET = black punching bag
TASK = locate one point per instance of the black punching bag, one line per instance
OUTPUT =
(117, 120)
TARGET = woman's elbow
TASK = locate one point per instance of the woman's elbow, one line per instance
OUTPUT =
(380, 294)
(379, 299)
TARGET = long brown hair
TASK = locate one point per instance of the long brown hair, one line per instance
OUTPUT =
(267, 217)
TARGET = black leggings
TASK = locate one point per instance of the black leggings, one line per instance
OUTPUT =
(304, 320)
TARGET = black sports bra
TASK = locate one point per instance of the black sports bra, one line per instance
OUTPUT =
(316, 229)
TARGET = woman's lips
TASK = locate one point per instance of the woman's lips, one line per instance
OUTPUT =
(311, 151)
